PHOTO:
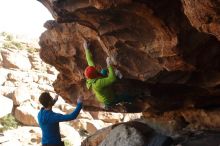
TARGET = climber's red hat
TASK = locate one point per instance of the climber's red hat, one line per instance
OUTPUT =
(91, 72)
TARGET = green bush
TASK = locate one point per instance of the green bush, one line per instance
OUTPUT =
(67, 143)
(12, 43)
(3, 33)
(17, 44)
(31, 49)
(7, 45)
(8, 122)
(9, 37)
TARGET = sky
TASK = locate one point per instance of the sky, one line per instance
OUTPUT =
(23, 17)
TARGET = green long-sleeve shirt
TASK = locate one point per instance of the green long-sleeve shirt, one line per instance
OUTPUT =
(101, 86)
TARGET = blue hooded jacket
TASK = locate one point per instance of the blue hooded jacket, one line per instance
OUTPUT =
(49, 123)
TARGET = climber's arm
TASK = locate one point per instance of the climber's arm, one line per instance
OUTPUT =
(89, 58)
(88, 54)
(107, 81)
(56, 117)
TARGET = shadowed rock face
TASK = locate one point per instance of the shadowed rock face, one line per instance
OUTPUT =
(168, 51)
(139, 134)
(204, 15)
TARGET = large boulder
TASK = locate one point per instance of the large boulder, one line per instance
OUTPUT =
(90, 126)
(26, 114)
(9, 84)
(131, 117)
(123, 135)
(7, 91)
(127, 134)
(22, 136)
(143, 38)
(70, 134)
(167, 61)
(6, 105)
(96, 138)
(14, 76)
(108, 117)
(15, 59)
(36, 62)
(3, 75)
(21, 94)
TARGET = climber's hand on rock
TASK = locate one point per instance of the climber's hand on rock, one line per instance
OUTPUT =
(118, 74)
(109, 61)
(85, 45)
(80, 99)
(56, 98)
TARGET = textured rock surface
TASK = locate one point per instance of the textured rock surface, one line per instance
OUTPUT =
(179, 122)
(204, 15)
(27, 115)
(208, 139)
(20, 95)
(15, 60)
(114, 135)
(6, 106)
(123, 134)
(97, 137)
(71, 134)
(168, 53)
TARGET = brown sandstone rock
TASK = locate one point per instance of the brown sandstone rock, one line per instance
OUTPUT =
(15, 59)
(90, 126)
(142, 39)
(164, 50)
(27, 115)
(6, 105)
(108, 116)
(163, 58)
(176, 123)
(204, 15)
(203, 119)
(21, 94)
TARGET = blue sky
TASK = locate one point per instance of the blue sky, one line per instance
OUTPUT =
(23, 17)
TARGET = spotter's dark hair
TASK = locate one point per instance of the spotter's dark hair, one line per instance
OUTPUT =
(45, 99)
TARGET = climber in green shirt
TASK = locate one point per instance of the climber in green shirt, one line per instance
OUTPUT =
(99, 83)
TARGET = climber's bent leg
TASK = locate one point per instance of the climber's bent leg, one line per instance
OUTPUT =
(123, 98)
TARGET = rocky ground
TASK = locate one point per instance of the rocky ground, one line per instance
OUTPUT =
(23, 76)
